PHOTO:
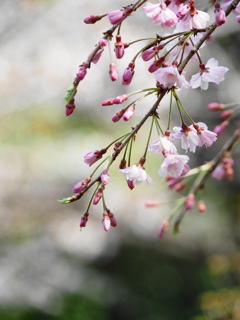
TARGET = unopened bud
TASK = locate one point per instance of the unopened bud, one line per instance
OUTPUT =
(163, 228)
(214, 106)
(189, 202)
(201, 206)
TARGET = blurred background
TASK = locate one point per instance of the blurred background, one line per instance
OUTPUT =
(48, 268)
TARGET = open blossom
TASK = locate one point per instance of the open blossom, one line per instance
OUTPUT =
(210, 72)
(169, 77)
(180, 48)
(137, 174)
(188, 135)
(163, 143)
(161, 14)
(174, 165)
(205, 136)
(191, 18)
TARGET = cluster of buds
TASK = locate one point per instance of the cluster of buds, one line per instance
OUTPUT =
(166, 57)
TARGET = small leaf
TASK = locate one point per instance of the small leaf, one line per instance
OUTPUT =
(71, 91)
(65, 200)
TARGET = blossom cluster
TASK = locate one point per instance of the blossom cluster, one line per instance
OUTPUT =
(188, 30)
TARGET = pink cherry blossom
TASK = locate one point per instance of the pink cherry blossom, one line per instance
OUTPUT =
(188, 136)
(174, 165)
(160, 14)
(205, 136)
(163, 143)
(210, 72)
(191, 18)
(169, 77)
(135, 173)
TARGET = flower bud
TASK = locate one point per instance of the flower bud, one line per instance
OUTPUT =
(189, 202)
(92, 19)
(106, 221)
(214, 106)
(70, 107)
(84, 220)
(163, 228)
(201, 206)
(128, 74)
(113, 72)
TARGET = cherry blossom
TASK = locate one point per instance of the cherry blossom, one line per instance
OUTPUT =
(163, 143)
(135, 173)
(210, 72)
(188, 135)
(169, 77)
(205, 136)
(191, 18)
(174, 165)
(160, 14)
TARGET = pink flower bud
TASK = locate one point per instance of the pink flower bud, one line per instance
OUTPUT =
(97, 55)
(113, 72)
(98, 195)
(226, 114)
(152, 203)
(92, 19)
(84, 220)
(155, 65)
(81, 186)
(120, 99)
(119, 47)
(93, 156)
(128, 113)
(70, 107)
(214, 106)
(220, 16)
(128, 74)
(131, 184)
(105, 177)
(82, 72)
(163, 228)
(112, 218)
(103, 42)
(201, 206)
(189, 202)
(151, 52)
(118, 115)
(106, 221)
(221, 127)
(118, 16)
(107, 102)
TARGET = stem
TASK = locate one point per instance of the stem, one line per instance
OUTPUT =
(208, 168)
